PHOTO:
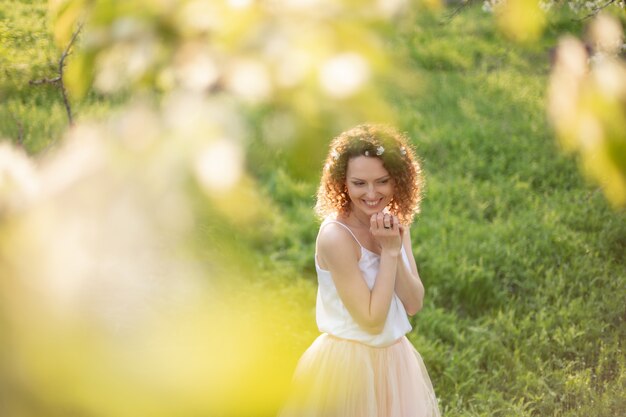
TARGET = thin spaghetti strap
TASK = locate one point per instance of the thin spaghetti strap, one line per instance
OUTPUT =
(346, 227)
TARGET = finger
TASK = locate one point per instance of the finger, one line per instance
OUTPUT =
(379, 220)
(387, 221)
(373, 225)
(396, 222)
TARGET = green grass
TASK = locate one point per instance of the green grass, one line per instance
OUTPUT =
(32, 114)
(522, 260)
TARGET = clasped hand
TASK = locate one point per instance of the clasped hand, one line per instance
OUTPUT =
(387, 231)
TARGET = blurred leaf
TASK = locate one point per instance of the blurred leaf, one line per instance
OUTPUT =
(521, 20)
(65, 15)
(79, 73)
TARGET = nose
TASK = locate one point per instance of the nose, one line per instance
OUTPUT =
(371, 191)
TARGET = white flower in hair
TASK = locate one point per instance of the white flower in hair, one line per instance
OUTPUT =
(403, 150)
(380, 150)
(334, 154)
(367, 153)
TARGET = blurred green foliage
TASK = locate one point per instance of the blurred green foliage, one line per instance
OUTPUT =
(523, 262)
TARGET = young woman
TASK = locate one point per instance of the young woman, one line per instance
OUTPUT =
(363, 365)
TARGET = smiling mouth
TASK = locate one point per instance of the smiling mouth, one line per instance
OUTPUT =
(372, 203)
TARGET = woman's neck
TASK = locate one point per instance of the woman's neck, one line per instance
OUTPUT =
(359, 219)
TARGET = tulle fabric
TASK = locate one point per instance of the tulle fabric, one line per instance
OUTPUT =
(342, 378)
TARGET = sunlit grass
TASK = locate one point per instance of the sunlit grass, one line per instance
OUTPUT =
(522, 260)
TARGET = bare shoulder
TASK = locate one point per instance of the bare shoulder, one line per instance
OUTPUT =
(335, 242)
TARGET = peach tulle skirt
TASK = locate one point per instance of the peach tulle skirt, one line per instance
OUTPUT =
(342, 378)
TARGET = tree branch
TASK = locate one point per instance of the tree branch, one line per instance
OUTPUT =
(66, 100)
(45, 81)
(596, 10)
(458, 9)
(58, 80)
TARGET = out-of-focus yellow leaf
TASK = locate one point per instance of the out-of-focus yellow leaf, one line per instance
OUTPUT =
(598, 165)
(65, 14)
(521, 20)
(432, 4)
(587, 106)
(79, 74)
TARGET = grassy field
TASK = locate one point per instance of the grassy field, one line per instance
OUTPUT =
(523, 261)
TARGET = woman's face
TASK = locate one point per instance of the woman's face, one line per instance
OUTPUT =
(370, 187)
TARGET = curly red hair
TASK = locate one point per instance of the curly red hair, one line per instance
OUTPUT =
(376, 141)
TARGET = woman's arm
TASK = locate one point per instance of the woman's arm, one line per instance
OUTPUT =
(369, 308)
(408, 284)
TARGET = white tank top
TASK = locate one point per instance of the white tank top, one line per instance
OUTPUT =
(333, 316)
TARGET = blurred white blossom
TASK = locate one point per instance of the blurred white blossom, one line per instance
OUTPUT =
(219, 165)
(124, 64)
(489, 5)
(587, 102)
(249, 79)
(126, 28)
(343, 75)
(239, 4)
(391, 8)
(19, 182)
(195, 67)
(200, 16)
(606, 34)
